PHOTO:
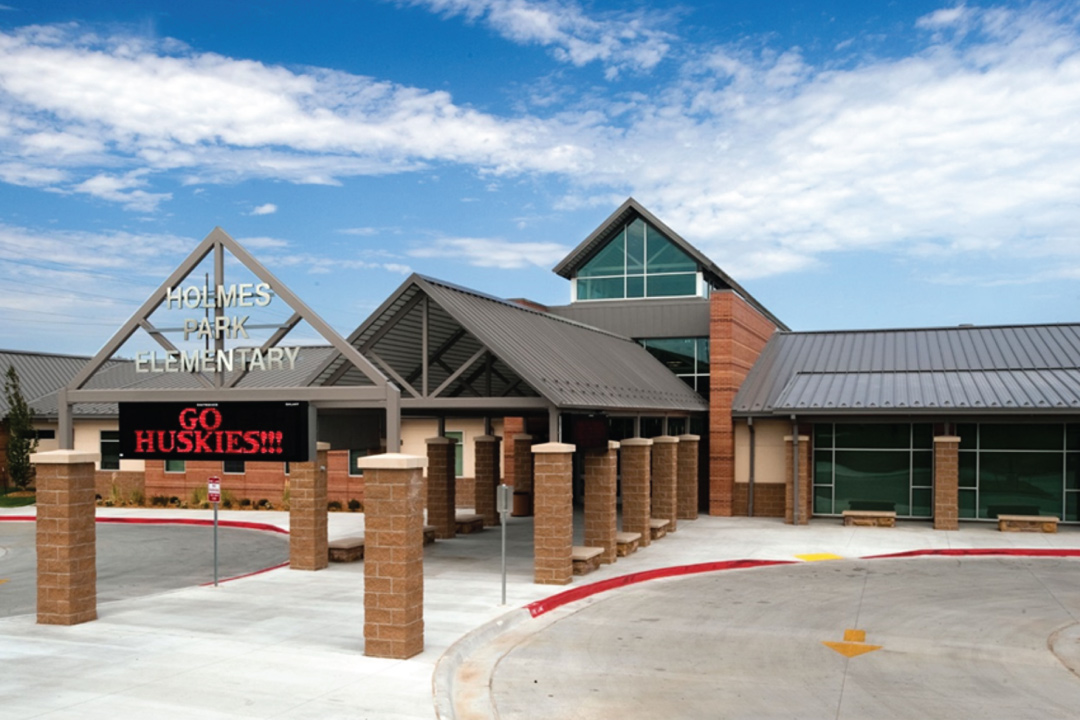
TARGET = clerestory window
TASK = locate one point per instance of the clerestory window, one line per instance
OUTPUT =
(639, 262)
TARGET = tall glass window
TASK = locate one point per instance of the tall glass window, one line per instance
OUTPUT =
(1019, 469)
(886, 466)
(638, 262)
(688, 358)
(110, 449)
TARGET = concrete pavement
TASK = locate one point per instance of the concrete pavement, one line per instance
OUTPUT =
(289, 644)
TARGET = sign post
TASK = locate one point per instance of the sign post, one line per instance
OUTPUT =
(504, 499)
(213, 494)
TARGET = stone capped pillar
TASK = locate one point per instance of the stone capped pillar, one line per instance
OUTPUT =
(523, 475)
(393, 555)
(441, 507)
(636, 474)
(66, 539)
(664, 478)
(553, 526)
(307, 512)
(487, 478)
(688, 476)
(806, 489)
(946, 482)
(601, 522)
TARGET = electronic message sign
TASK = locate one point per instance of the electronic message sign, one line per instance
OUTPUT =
(251, 431)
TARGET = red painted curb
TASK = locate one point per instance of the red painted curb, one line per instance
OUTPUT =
(548, 604)
(242, 524)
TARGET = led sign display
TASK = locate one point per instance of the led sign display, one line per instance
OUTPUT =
(250, 431)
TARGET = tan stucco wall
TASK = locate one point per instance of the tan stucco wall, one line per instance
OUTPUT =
(770, 451)
(414, 434)
(88, 439)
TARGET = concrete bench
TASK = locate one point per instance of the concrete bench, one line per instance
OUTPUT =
(348, 549)
(658, 528)
(469, 523)
(870, 518)
(1027, 523)
(586, 559)
(626, 543)
(429, 534)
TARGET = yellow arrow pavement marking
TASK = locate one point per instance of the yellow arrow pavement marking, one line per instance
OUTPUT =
(854, 644)
(814, 557)
(3, 580)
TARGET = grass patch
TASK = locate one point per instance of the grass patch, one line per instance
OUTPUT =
(17, 499)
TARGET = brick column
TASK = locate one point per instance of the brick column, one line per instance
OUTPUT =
(946, 483)
(664, 478)
(523, 475)
(688, 476)
(636, 472)
(307, 512)
(553, 527)
(393, 555)
(487, 478)
(441, 507)
(66, 539)
(806, 490)
(600, 500)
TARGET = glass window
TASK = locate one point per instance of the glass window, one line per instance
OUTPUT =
(873, 481)
(355, 455)
(873, 435)
(1020, 483)
(175, 466)
(686, 357)
(601, 288)
(665, 257)
(459, 453)
(671, 285)
(635, 248)
(233, 467)
(609, 261)
(1021, 437)
(110, 449)
(638, 262)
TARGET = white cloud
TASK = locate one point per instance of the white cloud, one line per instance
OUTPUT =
(267, 209)
(620, 41)
(122, 189)
(490, 252)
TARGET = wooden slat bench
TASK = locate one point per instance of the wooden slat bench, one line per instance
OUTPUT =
(586, 559)
(658, 528)
(1027, 523)
(870, 518)
(469, 523)
(348, 549)
(626, 543)
(429, 534)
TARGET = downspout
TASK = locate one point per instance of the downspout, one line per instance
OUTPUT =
(753, 450)
(795, 471)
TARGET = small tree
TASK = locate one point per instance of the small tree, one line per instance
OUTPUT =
(22, 440)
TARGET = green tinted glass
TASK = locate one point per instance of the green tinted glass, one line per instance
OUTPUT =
(635, 247)
(921, 502)
(967, 464)
(873, 480)
(967, 504)
(609, 261)
(665, 256)
(823, 435)
(600, 288)
(1021, 437)
(676, 353)
(874, 436)
(823, 504)
(922, 468)
(968, 436)
(635, 286)
(671, 285)
(1020, 483)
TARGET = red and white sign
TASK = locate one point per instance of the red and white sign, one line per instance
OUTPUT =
(213, 490)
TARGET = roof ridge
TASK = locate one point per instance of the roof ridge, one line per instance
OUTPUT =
(934, 328)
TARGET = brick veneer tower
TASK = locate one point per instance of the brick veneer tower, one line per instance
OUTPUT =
(393, 555)
(636, 478)
(665, 480)
(441, 493)
(737, 335)
(523, 475)
(487, 453)
(553, 526)
(307, 512)
(66, 538)
(946, 482)
(806, 491)
(601, 522)
(688, 477)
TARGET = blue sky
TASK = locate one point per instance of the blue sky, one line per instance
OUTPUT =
(852, 164)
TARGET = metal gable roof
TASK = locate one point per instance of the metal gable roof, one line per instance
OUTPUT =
(624, 214)
(1005, 369)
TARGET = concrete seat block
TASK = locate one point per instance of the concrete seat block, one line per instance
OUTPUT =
(870, 518)
(468, 523)
(1027, 523)
(626, 543)
(658, 528)
(586, 559)
(348, 549)
(429, 534)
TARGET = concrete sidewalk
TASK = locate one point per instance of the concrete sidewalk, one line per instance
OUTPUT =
(289, 644)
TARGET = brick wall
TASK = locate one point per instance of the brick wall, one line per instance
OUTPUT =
(946, 483)
(769, 499)
(119, 485)
(737, 334)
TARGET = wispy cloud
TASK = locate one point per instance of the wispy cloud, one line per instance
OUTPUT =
(629, 40)
(267, 209)
(491, 252)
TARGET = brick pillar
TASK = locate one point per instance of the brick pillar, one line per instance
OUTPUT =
(487, 478)
(393, 555)
(600, 500)
(523, 475)
(441, 508)
(66, 540)
(688, 477)
(511, 426)
(664, 478)
(307, 512)
(806, 490)
(946, 483)
(553, 527)
(636, 472)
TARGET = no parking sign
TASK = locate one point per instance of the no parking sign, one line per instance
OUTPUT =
(213, 490)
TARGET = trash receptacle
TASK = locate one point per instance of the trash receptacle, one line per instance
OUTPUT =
(522, 504)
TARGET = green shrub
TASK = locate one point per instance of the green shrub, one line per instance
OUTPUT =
(355, 506)
(333, 505)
